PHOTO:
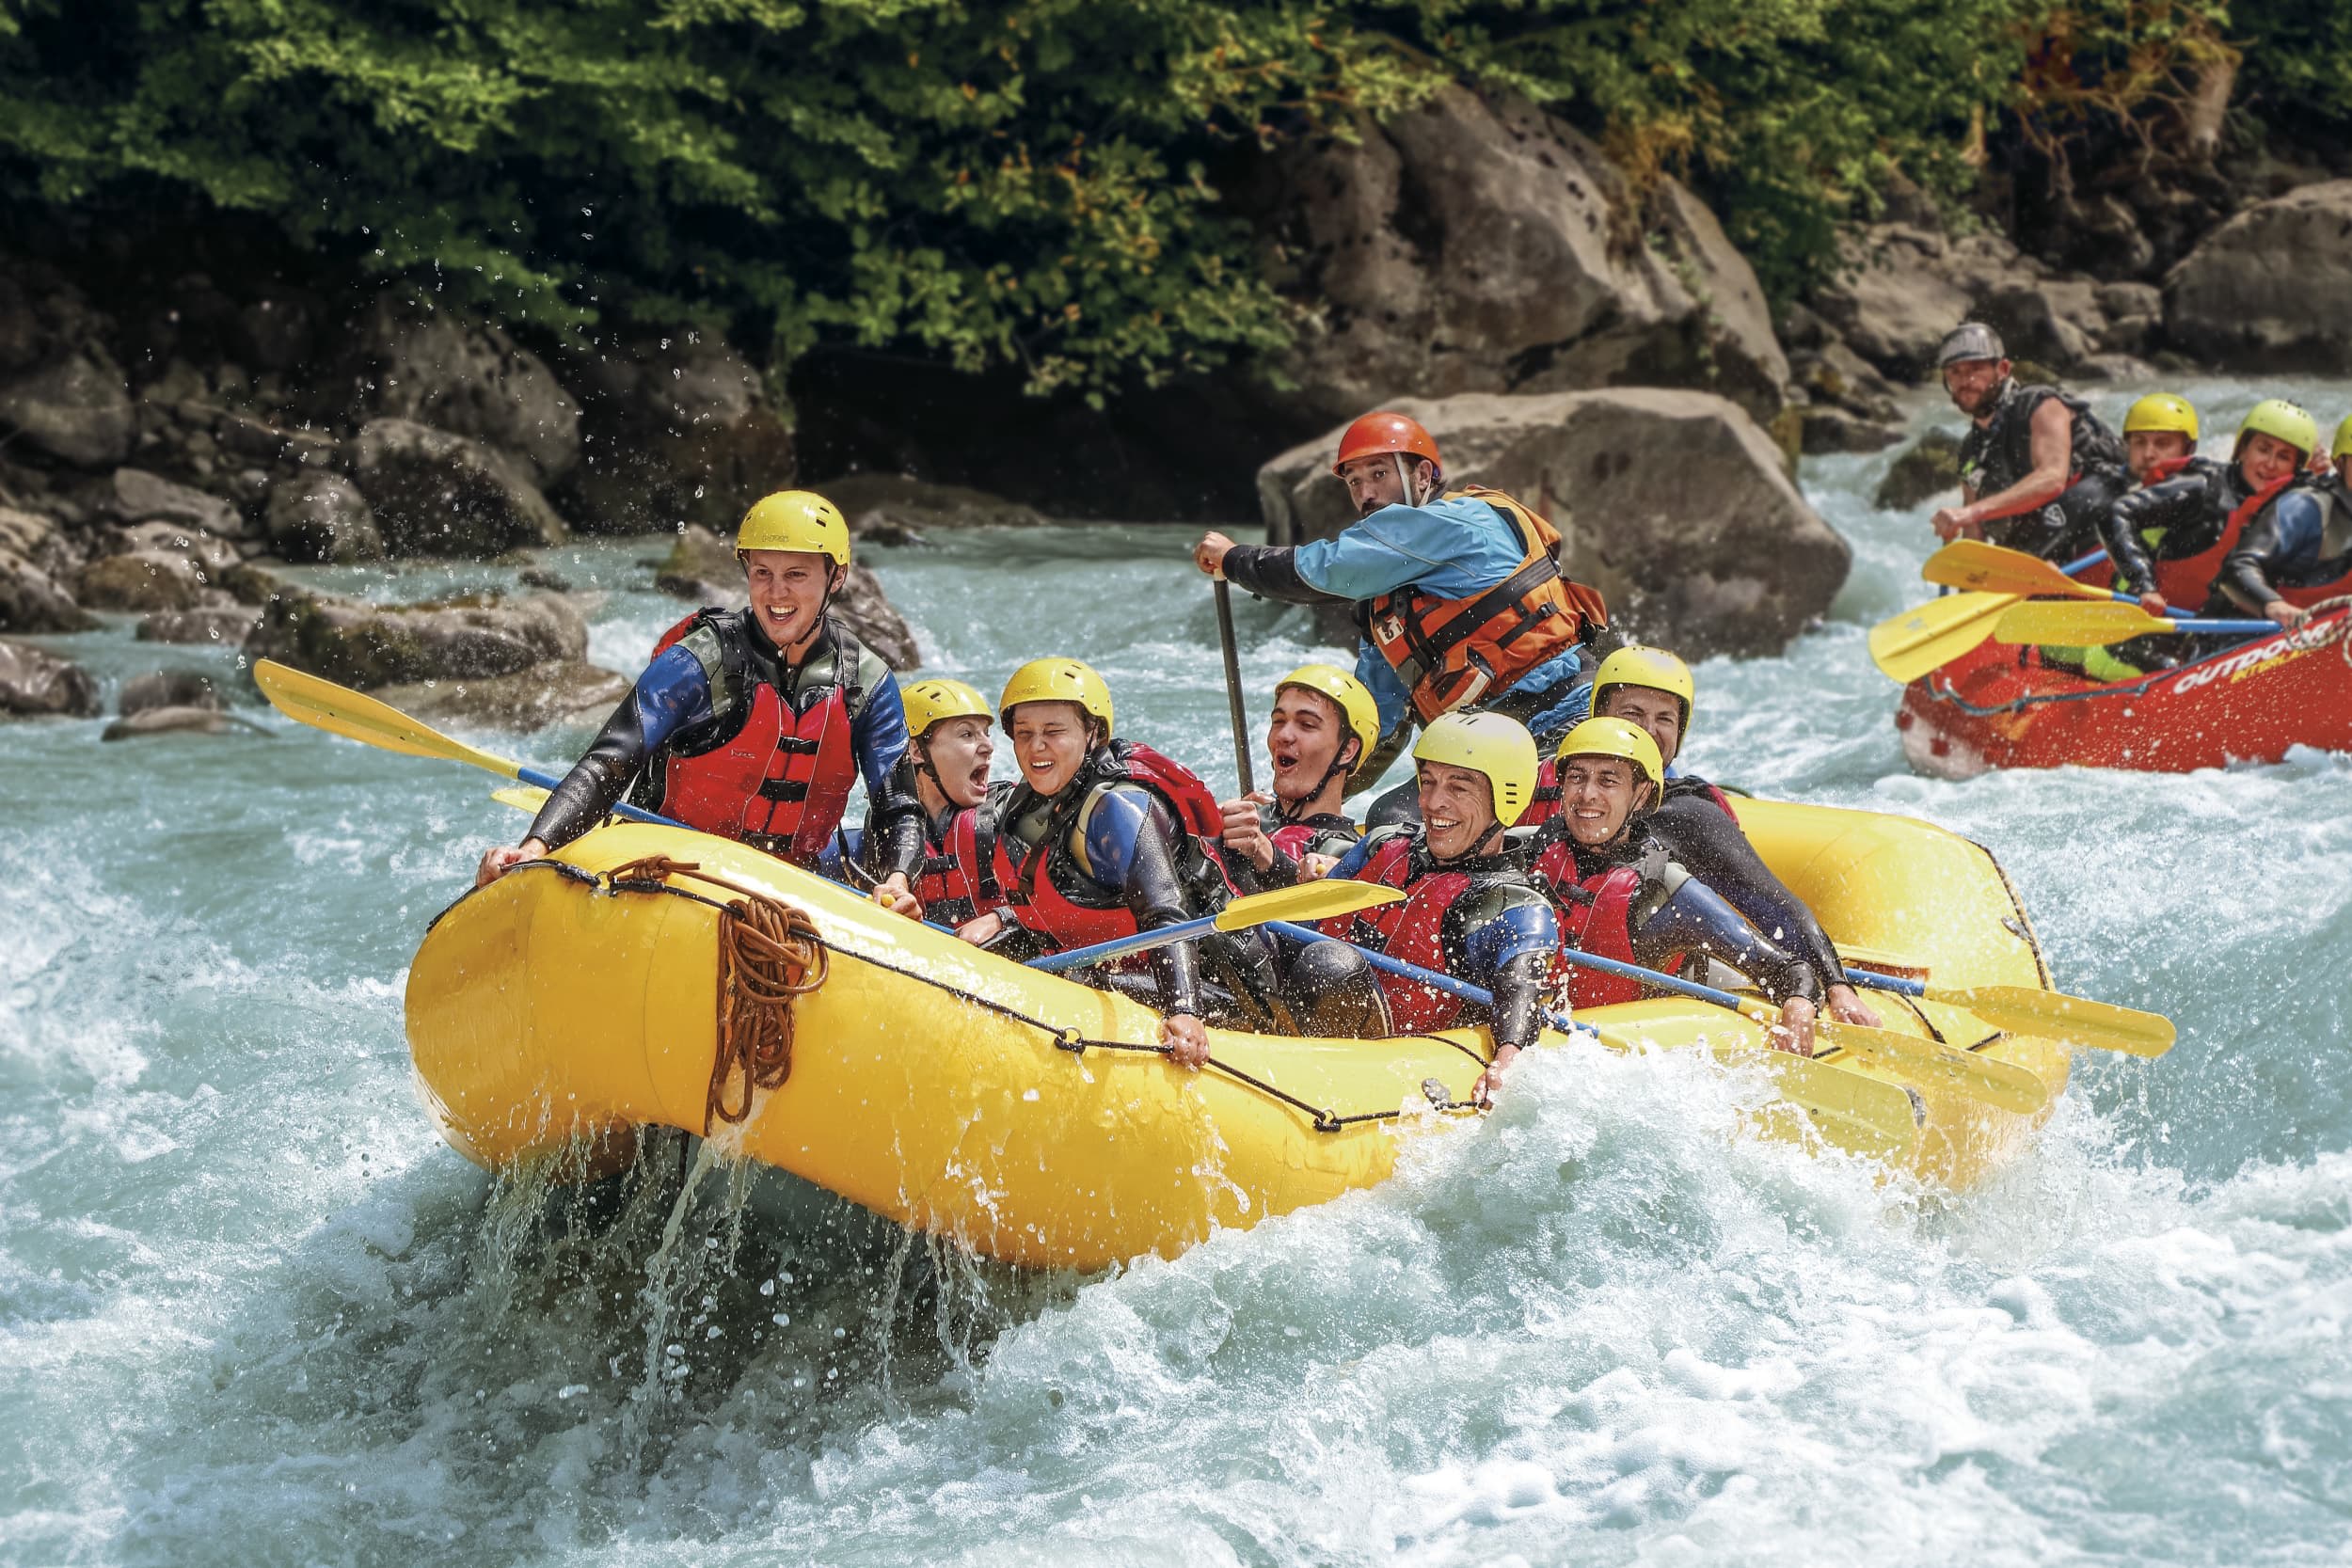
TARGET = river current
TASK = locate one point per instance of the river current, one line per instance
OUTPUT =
(253, 1311)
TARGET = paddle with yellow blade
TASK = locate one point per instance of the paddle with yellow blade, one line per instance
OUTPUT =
(1907, 648)
(1317, 900)
(323, 705)
(2022, 1010)
(2069, 624)
(1982, 567)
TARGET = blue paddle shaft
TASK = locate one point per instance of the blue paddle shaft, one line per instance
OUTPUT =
(1886, 982)
(1118, 947)
(620, 808)
(2250, 628)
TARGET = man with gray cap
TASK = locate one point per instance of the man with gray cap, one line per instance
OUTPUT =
(2038, 470)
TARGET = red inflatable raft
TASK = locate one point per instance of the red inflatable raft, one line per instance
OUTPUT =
(2000, 707)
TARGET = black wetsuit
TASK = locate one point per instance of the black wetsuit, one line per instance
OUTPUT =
(1999, 454)
(1708, 841)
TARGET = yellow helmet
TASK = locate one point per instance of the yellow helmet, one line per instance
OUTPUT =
(929, 702)
(1614, 738)
(1486, 743)
(1056, 680)
(2342, 445)
(798, 520)
(1655, 668)
(1353, 696)
(2163, 411)
(2284, 420)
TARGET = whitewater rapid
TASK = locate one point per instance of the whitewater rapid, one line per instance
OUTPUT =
(253, 1311)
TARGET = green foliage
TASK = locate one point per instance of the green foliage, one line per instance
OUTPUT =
(2298, 63)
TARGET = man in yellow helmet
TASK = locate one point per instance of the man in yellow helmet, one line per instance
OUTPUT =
(2296, 547)
(1623, 895)
(1697, 824)
(757, 724)
(2038, 470)
(1467, 911)
(1325, 724)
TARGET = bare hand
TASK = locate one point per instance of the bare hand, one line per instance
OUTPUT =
(2153, 604)
(497, 862)
(1794, 1032)
(1186, 1039)
(893, 894)
(1951, 522)
(1490, 1082)
(1245, 829)
(982, 929)
(1209, 555)
(1847, 1007)
(1314, 868)
(2288, 615)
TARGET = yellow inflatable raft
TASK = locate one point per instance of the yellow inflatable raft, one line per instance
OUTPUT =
(962, 1094)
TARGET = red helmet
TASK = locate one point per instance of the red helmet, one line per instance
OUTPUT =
(1376, 434)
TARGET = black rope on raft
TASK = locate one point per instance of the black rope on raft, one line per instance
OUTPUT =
(1321, 1118)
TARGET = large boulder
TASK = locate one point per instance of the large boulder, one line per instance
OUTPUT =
(140, 582)
(2271, 289)
(321, 516)
(550, 693)
(36, 683)
(77, 409)
(1674, 504)
(680, 430)
(370, 645)
(140, 496)
(413, 360)
(166, 688)
(898, 508)
(435, 493)
(36, 561)
(1478, 244)
(701, 569)
(228, 623)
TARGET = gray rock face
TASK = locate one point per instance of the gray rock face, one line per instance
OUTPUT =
(227, 624)
(893, 507)
(1674, 504)
(34, 553)
(550, 693)
(680, 431)
(439, 494)
(1478, 245)
(36, 683)
(2270, 290)
(166, 688)
(701, 568)
(77, 409)
(371, 646)
(447, 371)
(140, 496)
(1897, 298)
(140, 582)
(321, 517)
(1930, 468)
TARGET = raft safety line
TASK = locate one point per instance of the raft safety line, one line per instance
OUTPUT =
(1323, 1118)
(1944, 692)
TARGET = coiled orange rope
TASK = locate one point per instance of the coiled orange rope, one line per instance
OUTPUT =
(769, 953)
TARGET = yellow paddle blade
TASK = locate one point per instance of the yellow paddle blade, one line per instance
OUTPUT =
(2002, 1084)
(528, 798)
(1854, 1110)
(1906, 647)
(1308, 901)
(1975, 565)
(339, 710)
(2076, 1019)
(2076, 626)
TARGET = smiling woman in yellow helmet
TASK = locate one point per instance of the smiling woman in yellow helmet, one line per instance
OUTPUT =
(1467, 908)
(2297, 548)
(1623, 895)
(1325, 724)
(1697, 823)
(755, 724)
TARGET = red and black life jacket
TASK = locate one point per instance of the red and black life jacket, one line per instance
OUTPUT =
(957, 879)
(774, 779)
(1413, 930)
(2332, 498)
(1323, 834)
(1448, 653)
(1034, 891)
(1595, 917)
(2187, 583)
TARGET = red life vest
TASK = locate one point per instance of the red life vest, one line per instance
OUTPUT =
(2188, 583)
(957, 880)
(1413, 930)
(1029, 886)
(1597, 918)
(1299, 839)
(780, 782)
(1452, 652)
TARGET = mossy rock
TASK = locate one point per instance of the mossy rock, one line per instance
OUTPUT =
(1928, 468)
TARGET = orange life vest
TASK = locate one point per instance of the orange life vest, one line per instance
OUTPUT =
(1448, 653)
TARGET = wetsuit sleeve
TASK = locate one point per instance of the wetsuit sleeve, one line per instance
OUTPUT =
(1510, 955)
(1271, 572)
(2289, 527)
(674, 694)
(1695, 919)
(894, 812)
(1129, 846)
(2171, 506)
(1710, 844)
